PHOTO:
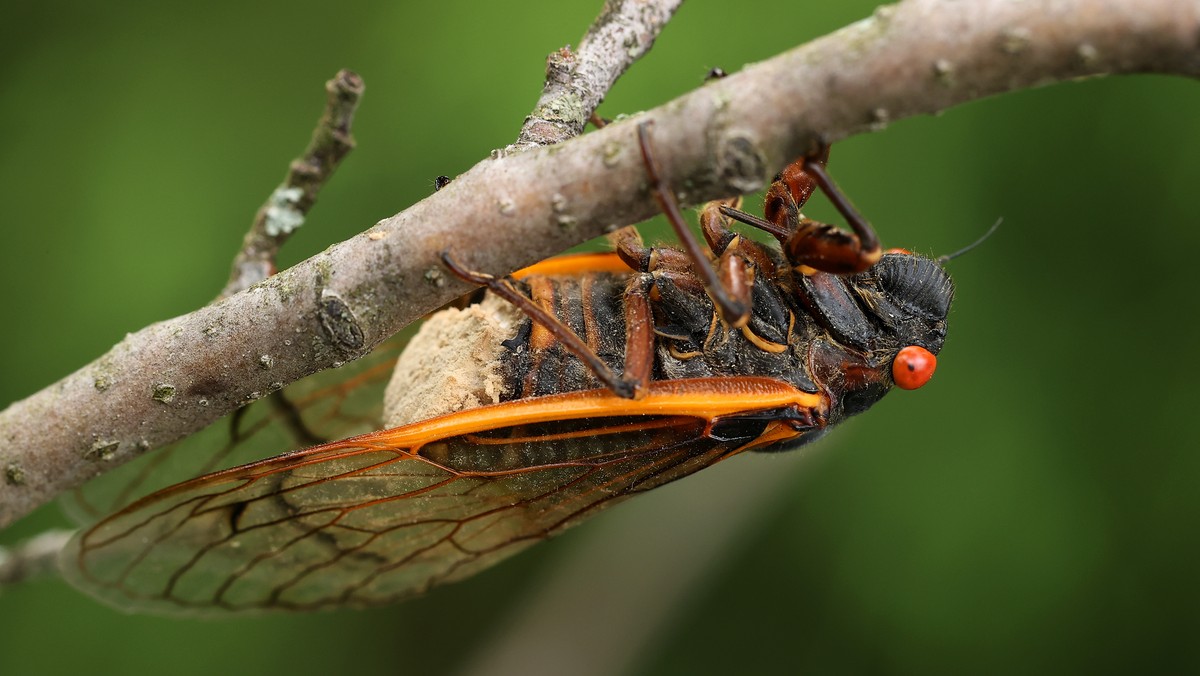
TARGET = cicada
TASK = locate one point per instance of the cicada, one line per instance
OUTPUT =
(569, 387)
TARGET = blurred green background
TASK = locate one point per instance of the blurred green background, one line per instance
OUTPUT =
(1035, 509)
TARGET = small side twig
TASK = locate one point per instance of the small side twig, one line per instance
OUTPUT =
(577, 81)
(285, 210)
(32, 558)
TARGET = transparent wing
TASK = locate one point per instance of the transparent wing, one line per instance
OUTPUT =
(384, 516)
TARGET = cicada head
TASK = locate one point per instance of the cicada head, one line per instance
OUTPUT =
(909, 296)
(885, 327)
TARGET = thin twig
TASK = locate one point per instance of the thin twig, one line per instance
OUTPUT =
(576, 82)
(32, 558)
(285, 209)
(728, 137)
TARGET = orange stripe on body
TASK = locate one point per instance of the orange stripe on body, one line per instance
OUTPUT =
(705, 398)
(574, 265)
(591, 333)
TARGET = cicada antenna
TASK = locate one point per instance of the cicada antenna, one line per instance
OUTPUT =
(941, 260)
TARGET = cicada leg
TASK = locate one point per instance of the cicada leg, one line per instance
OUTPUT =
(809, 243)
(724, 242)
(732, 304)
(714, 224)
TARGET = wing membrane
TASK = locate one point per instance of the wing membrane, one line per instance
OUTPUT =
(359, 522)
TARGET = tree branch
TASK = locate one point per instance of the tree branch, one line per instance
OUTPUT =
(920, 56)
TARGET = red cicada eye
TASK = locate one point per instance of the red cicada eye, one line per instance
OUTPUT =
(914, 366)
